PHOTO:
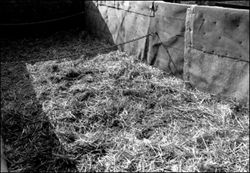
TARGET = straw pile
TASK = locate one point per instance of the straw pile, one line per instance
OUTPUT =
(114, 113)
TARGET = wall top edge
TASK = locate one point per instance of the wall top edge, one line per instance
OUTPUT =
(222, 8)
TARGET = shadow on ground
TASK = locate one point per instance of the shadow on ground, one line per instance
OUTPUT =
(30, 143)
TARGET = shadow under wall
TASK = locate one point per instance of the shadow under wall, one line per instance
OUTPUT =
(95, 24)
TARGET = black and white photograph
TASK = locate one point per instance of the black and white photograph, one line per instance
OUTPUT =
(124, 86)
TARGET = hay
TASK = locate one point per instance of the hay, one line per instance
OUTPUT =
(114, 113)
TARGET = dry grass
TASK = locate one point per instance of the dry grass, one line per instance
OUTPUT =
(114, 113)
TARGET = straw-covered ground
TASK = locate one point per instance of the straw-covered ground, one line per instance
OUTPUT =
(111, 113)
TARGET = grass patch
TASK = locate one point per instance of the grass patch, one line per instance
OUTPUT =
(113, 113)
